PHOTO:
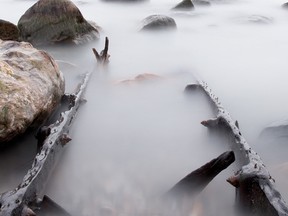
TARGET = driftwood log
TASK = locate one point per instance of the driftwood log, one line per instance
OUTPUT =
(102, 57)
(181, 199)
(255, 190)
(196, 181)
(27, 197)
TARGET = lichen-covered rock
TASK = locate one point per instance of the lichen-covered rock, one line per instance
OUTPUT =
(158, 22)
(8, 31)
(184, 5)
(31, 86)
(50, 21)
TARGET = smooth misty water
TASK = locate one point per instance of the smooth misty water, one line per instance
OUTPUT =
(131, 143)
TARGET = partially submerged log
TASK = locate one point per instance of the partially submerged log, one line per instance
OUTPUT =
(102, 57)
(181, 199)
(196, 181)
(255, 190)
(24, 199)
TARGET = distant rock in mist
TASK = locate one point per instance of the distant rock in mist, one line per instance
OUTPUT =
(127, 1)
(203, 3)
(285, 5)
(254, 19)
(278, 129)
(158, 22)
(141, 78)
(51, 21)
(8, 31)
(184, 5)
(31, 87)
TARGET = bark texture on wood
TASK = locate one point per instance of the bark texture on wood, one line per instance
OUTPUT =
(255, 190)
(26, 196)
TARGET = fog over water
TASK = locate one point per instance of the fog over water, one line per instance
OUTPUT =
(133, 142)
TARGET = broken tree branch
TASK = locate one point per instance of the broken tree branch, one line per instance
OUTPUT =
(196, 181)
(26, 196)
(103, 57)
(255, 190)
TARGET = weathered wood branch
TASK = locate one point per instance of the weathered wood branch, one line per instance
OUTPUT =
(196, 181)
(26, 196)
(255, 190)
(103, 57)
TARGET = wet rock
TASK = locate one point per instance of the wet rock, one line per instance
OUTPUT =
(285, 5)
(158, 22)
(278, 129)
(184, 5)
(8, 31)
(255, 19)
(141, 78)
(50, 21)
(202, 3)
(31, 86)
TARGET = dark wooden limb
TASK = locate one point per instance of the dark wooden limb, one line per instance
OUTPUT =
(197, 180)
(103, 57)
(26, 196)
(255, 190)
(49, 208)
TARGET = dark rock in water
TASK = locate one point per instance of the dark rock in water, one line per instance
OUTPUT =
(192, 87)
(285, 5)
(8, 31)
(31, 87)
(184, 5)
(201, 3)
(50, 21)
(158, 22)
(277, 129)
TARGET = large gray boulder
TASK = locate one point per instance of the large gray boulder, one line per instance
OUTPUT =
(50, 21)
(31, 86)
(8, 31)
(158, 22)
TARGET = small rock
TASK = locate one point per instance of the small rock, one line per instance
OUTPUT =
(201, 3)
(141, 78)
(184, 5)
(285, 5)
(8, 31)
(278, 129)
(50, 21)
(158, 22)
